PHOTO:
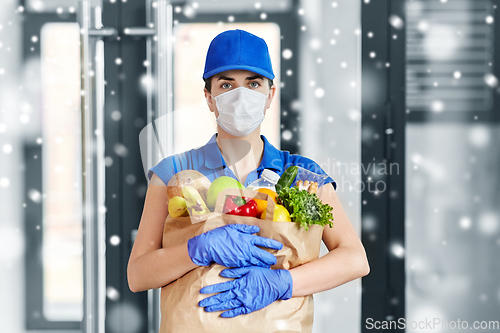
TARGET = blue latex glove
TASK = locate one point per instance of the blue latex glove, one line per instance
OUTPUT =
(232, 245)
(254, 288)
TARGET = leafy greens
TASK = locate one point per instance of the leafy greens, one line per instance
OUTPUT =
(305, 208)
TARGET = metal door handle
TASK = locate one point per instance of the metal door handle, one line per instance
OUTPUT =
(139, 31)
(103, 32)
(93, 167)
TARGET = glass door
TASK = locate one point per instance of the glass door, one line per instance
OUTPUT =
(127, 84)
(88, 75)
(431, 102)
(452, 162)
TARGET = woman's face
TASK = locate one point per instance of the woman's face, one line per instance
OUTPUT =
(232, 79)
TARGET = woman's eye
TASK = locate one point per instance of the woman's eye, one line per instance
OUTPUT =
(226, 85)
(254, 84)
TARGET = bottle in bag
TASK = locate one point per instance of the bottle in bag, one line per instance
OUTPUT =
(268, 179)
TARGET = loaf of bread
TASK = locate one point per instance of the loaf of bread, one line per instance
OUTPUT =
(188, 178)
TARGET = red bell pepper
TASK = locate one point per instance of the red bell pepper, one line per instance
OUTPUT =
(241, 206)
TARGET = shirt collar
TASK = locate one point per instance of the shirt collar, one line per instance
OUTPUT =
(271, 158)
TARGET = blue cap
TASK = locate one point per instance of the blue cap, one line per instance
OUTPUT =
(238, 49)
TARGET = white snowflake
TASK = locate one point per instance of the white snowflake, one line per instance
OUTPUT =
(7, 148)
(287, 54)
(35, 195)
(112, 293)
(287, 135)
(396, 21)
(319, 92)
(491, 80)
(4, 182)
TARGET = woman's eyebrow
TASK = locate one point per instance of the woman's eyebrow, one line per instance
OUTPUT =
(255, 77)
(222, 77)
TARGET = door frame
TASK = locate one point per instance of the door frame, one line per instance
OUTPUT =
(383, 145)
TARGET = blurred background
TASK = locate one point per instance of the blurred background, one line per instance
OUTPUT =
(397, 100)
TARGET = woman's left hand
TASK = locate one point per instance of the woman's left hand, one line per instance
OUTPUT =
(252, 289)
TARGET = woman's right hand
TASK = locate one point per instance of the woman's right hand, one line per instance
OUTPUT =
(232, 245)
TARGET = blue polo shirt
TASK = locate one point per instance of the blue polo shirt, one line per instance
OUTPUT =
(208, 160)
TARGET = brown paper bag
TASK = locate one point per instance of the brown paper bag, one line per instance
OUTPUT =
(180, 312)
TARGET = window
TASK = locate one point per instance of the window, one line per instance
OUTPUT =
(56, 294)
(450, 49)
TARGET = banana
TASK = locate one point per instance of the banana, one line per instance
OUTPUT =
(194, 201)
(177, 207)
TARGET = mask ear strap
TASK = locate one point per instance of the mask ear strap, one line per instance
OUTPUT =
(215, 102)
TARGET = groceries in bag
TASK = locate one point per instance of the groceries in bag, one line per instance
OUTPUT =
(301, 240)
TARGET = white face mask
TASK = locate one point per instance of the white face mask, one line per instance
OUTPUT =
(241, 110)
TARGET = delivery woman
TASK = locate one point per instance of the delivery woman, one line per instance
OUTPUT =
(239, 89)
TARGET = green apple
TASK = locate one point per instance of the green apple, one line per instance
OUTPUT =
(217, 186)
